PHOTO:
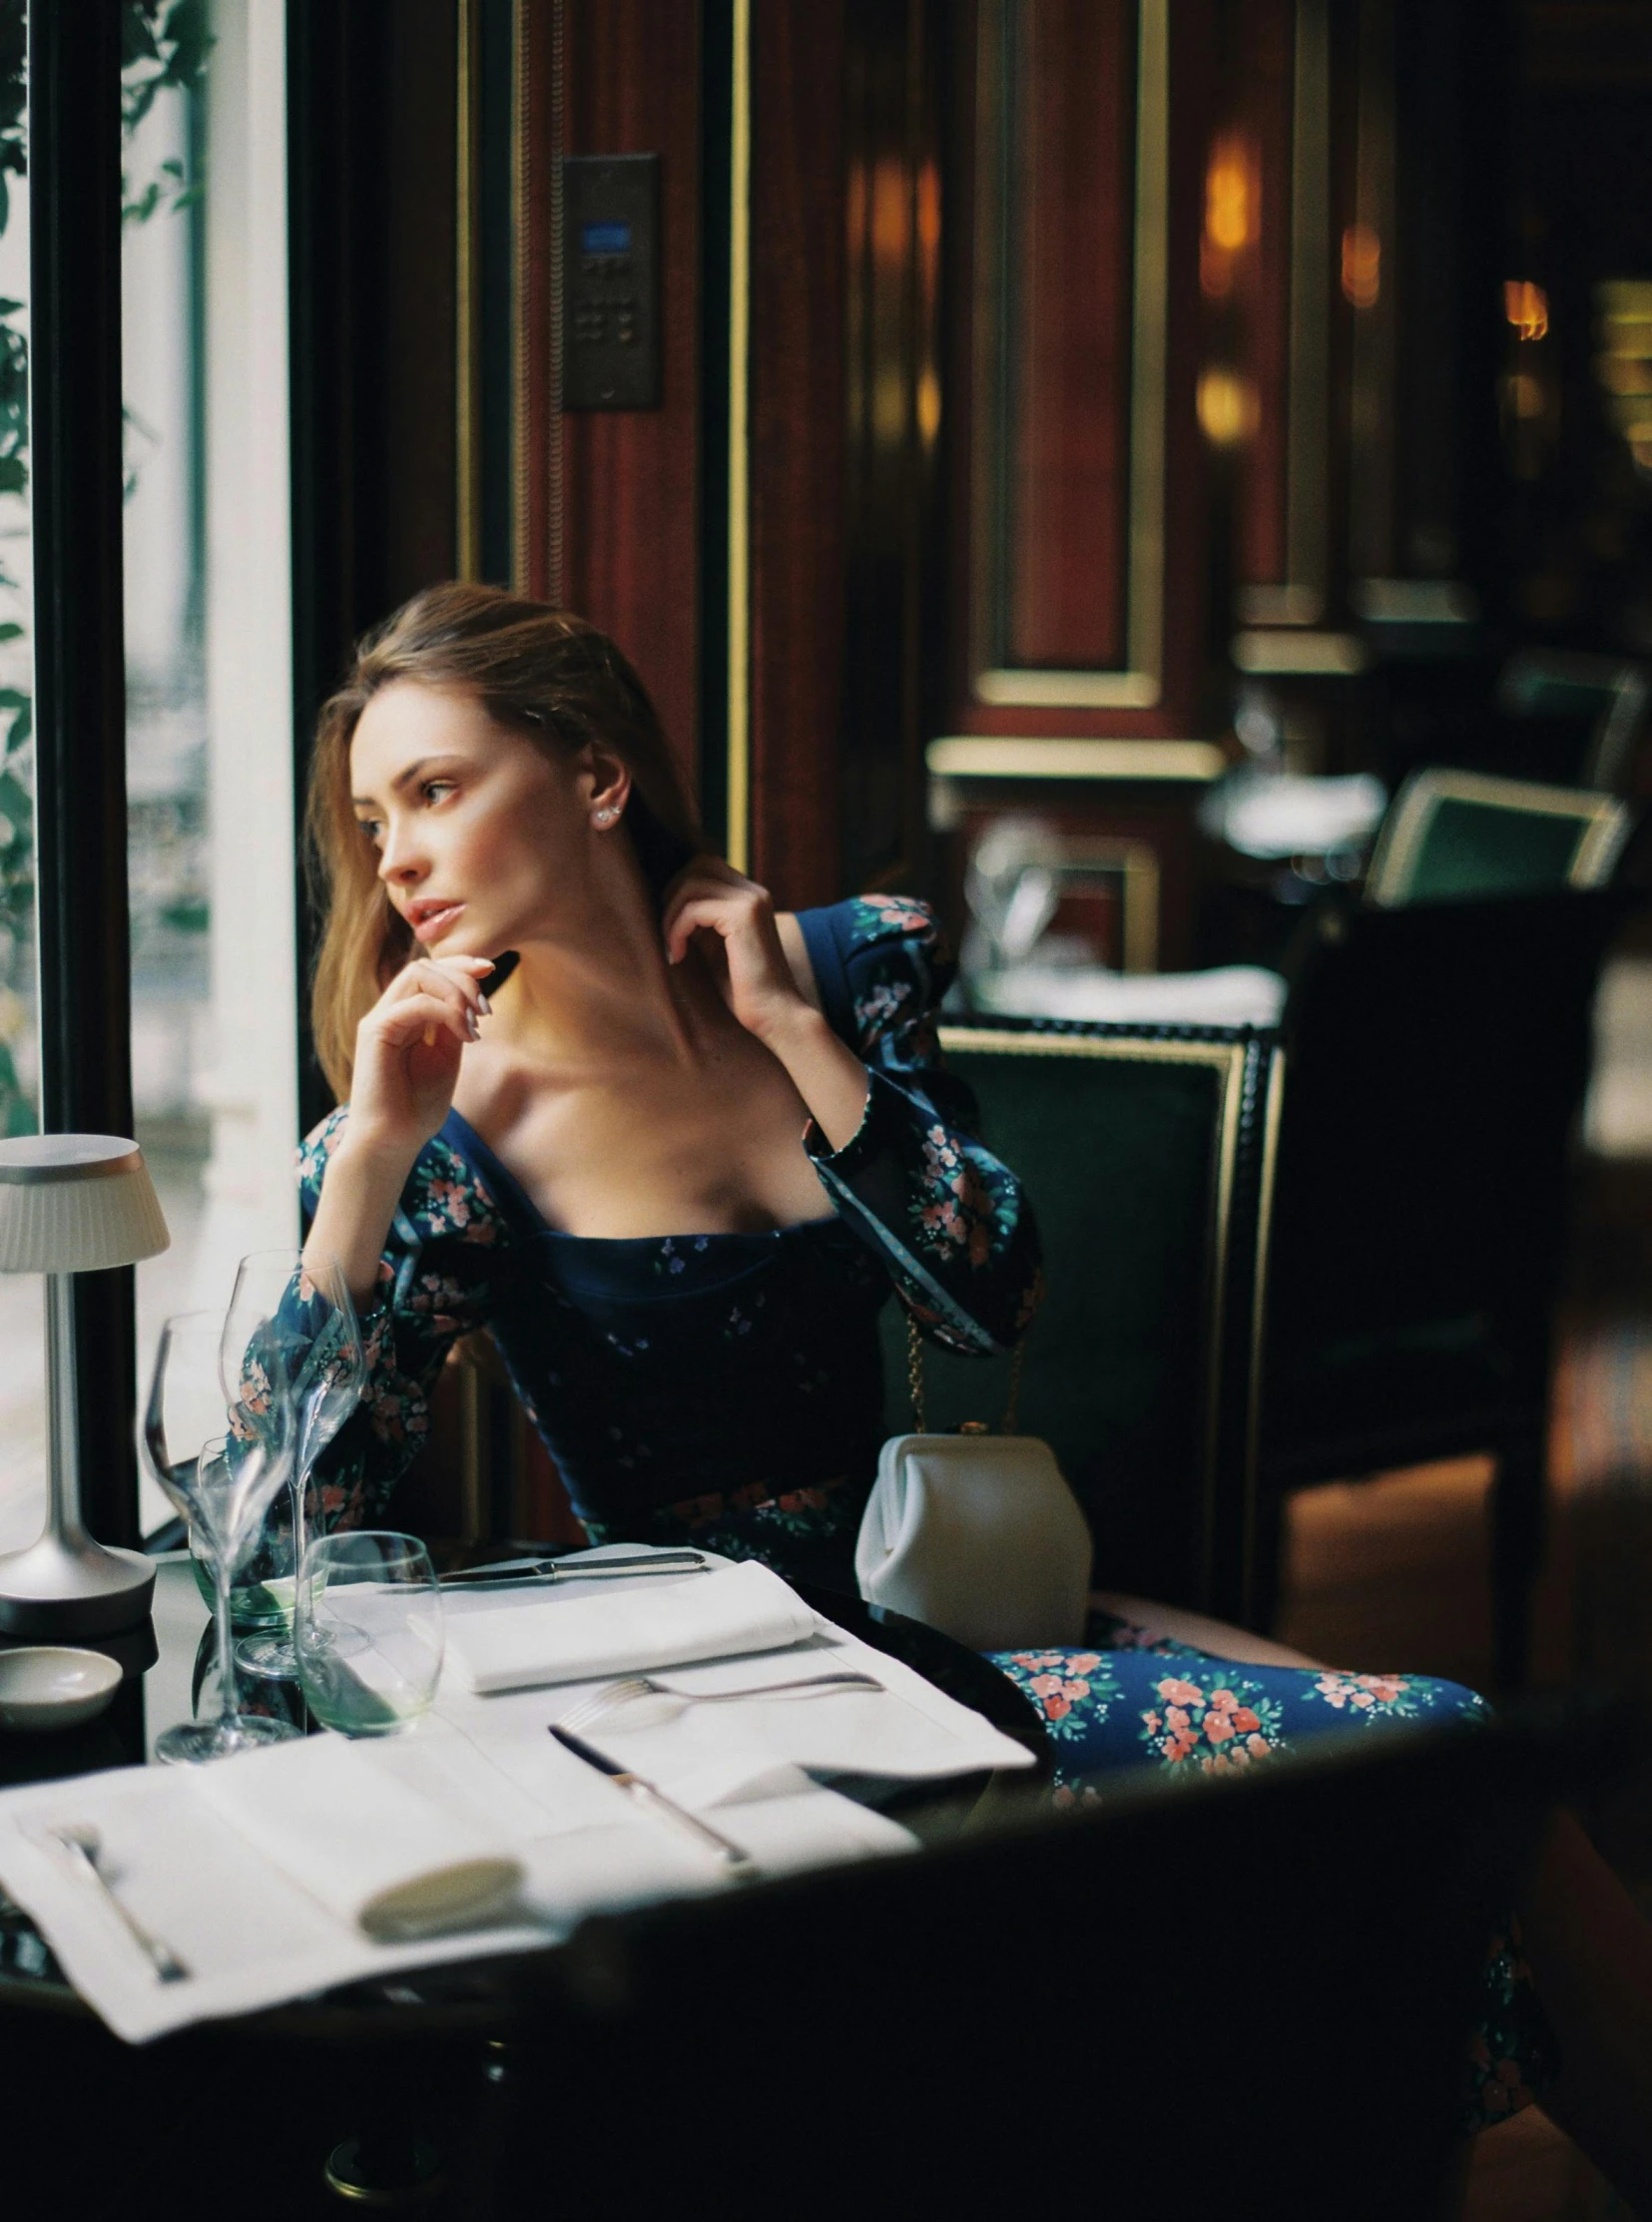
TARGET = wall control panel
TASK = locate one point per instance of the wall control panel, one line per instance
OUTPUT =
(611, 281)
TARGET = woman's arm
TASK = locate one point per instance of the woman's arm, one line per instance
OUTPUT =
(407, 1053)
(429, 1282)
(891, 1131)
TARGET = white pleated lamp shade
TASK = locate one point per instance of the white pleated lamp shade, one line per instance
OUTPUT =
(76, 1203)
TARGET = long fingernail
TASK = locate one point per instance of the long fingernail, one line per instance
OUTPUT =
(487, 1008)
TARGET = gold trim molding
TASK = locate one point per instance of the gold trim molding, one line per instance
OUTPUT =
(979, 756)
(738, 836)
(467, 291)
(1315, 655)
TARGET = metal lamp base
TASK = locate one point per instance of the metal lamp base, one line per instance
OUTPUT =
(81, 1588)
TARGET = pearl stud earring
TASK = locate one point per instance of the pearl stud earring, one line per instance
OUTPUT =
(604, 817)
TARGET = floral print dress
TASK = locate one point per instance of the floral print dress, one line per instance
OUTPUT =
(727, 1389)
(686, 1379)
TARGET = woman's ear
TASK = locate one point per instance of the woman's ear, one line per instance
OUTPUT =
(607, 784)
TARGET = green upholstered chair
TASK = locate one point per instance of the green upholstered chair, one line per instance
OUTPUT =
(1142, 1149)
(1456, 835)
(1592, 713)
(1436, 1059)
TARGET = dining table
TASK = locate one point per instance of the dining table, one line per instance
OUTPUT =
(377, 2091)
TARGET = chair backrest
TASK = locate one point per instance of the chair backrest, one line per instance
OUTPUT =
(1153, 2008)
(1438, 1057)
(1142, 1149)
(1453, 833)
(1604, 703)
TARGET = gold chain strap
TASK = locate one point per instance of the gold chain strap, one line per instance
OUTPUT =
(915, 1382)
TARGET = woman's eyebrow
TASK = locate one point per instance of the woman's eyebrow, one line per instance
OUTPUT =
(403, 778)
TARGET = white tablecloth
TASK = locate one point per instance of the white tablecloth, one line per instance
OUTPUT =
(253, 1935)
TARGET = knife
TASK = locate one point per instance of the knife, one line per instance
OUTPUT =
(578, 1569)
(736, 1861)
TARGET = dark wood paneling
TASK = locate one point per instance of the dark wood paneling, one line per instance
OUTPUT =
(797, 440)
(630, 477)
(1261, 128)
(892, 225)
(1184, 707)
(1064, 427)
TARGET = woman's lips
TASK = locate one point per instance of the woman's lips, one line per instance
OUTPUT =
(429, 921)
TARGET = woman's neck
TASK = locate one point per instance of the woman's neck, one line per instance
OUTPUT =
(598, 981)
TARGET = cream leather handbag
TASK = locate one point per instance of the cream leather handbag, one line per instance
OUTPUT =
(974, 1534)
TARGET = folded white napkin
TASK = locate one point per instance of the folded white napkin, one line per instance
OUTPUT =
(576, 1639)
(371, 1849)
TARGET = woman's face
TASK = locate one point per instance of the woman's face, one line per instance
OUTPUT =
(481, 837)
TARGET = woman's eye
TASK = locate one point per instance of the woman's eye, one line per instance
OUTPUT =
(370, 827)
(434, 789)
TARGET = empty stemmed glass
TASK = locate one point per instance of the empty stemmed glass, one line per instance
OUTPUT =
(300, 1310)
(223, 1484)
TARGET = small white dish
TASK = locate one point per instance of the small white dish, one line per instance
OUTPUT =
(52, 1685)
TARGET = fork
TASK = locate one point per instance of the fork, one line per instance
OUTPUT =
(82, 1845)
(644, 1685)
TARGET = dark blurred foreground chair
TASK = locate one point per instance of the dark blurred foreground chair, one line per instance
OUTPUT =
(1242, 1998)
(1436, 1061)
(1452, 833)
(1142, 1149)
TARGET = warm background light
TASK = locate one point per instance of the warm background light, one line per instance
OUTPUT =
(1226, 405)
(1527, 307)
(1362, 266)
(1228, 212)
(1232, 214)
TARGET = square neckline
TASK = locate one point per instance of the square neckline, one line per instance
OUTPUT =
(471, 1144)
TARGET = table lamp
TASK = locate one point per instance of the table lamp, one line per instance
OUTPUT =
(72, 1203)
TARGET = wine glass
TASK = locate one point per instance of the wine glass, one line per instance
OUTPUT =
(299, 1311)
(222, 1483)
(370, 1629)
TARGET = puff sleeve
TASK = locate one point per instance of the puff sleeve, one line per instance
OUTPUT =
(952, 1223)
(434, 1285)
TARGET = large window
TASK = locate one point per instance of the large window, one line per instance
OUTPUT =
(208, 669)
(22, 1315)
(208, 633)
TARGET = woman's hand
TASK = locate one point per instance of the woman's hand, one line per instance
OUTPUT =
(407, 1052)
(744, 954)
(758, 984)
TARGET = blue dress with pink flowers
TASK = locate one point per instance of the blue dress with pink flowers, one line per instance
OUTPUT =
(727, 1388)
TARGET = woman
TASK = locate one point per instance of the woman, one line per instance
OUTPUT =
(600, 1161)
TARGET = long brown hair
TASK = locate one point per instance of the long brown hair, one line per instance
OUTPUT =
(542, 671)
